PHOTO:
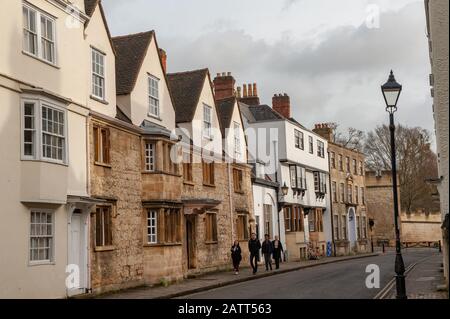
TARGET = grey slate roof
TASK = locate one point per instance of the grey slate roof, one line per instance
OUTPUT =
(151, 128)
(89, 6)
(225, 110)
(130, 53)
(186, 88)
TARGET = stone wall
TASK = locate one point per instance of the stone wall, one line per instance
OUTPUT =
(421, 227)
(380, 207)
(121, 265)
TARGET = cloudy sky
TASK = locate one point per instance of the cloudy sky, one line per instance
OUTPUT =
(330, 56)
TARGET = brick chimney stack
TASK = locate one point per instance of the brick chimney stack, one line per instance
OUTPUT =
(250, 94)
(163, 57)
(325, 130)
(282, 104)
(224, 86)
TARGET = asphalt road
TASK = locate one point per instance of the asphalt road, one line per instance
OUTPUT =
(343, 280)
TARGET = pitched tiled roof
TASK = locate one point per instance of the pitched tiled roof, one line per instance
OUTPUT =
(264, 113)
(130, 53)
(186, 88)
(120, 115)
(225, 109)
(89, 6)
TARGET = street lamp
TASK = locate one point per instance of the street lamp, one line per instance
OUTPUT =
(284, 189)
(391, 92)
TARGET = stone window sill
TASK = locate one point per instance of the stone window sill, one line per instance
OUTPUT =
(99, 100)
(102, 165)
(211, 242)
(161, 173)
(209, 185)
(162, 245)
(104, 248)
(189, 183)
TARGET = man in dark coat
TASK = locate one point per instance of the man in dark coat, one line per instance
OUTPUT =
(277, 251)
(267, 250)
(254, 246)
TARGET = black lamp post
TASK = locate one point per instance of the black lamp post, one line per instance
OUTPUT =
(391, 92)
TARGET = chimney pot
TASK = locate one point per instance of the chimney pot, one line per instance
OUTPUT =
(250, 90)
(255, 90)
(223, 73)
(224, 86)
(245, 90)
(218, 75)
(282, 104)
(229, 74)
(163, 57)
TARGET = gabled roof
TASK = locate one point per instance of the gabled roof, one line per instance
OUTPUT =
(186, 88)
(89, 6)
(130, 54)
(225, 110)
(264, 113)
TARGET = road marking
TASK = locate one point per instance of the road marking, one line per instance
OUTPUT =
(385, 291)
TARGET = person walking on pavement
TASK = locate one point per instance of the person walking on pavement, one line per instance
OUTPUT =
(277, 251)
(254, 246)
(236, 256)
(267, 250)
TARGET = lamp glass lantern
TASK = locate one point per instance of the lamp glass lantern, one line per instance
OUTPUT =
(391, 93)
(284, 189)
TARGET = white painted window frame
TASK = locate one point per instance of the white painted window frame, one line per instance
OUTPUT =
(152, 230)
(151, 80)
(39, 34)
(207, 132)
(150, 156)
(38, 102)
(237, 140)
(94, 74)
(52, 259)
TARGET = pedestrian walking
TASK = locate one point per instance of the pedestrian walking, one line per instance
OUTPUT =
(277, 251)
(267, 250)
(254, 246)
(236, 256)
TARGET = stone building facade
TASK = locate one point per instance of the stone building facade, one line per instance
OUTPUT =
(347, 196)
(380, 208)
(437, 15)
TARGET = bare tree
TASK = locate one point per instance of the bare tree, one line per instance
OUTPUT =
(352, 139)
(415, 163)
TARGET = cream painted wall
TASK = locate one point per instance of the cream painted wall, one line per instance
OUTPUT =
(97, 37)
(139, 96)
(206, 97)
(229, 140)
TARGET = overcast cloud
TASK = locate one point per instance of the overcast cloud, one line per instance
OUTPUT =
(320, 52)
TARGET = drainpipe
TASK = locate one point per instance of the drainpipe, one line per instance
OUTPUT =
(231, 201)
(330, 196)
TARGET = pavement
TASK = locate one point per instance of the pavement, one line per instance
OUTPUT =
(425, 280)
(221, 279)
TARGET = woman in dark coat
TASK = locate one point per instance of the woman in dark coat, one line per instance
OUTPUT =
(236, 256)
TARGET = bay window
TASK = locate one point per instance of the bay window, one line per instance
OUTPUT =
(44, 131)
(320, 182)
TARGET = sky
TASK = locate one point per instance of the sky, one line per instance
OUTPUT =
(329, 56)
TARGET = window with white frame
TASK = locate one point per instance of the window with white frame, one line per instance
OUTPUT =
(311, 144)
(320, 149)
(41, 236)
(44, 131)
(152, 226)
(237, 140)
(298, 136)
(53, 133)
(207, 120)
(98, 74)
(39, 34)
(320, 182)
(150, 157)
(293, 173)
(301, 177)
(153, 96)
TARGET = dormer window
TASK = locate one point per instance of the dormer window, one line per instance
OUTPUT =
(153, 96)
(38, 34)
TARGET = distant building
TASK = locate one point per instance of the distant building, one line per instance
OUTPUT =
(421, 227)
(437, 27)
(347, 196)
(380, 208)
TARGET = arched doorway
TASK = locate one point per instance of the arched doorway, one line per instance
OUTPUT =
(352, 237)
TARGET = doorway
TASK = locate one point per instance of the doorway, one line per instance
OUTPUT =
(352, 237)
(78, 253)
(190, 242)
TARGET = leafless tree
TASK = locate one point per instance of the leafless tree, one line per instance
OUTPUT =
(352, 139)
(416, 162)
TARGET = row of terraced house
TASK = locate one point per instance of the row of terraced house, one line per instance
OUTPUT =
(116, 173)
